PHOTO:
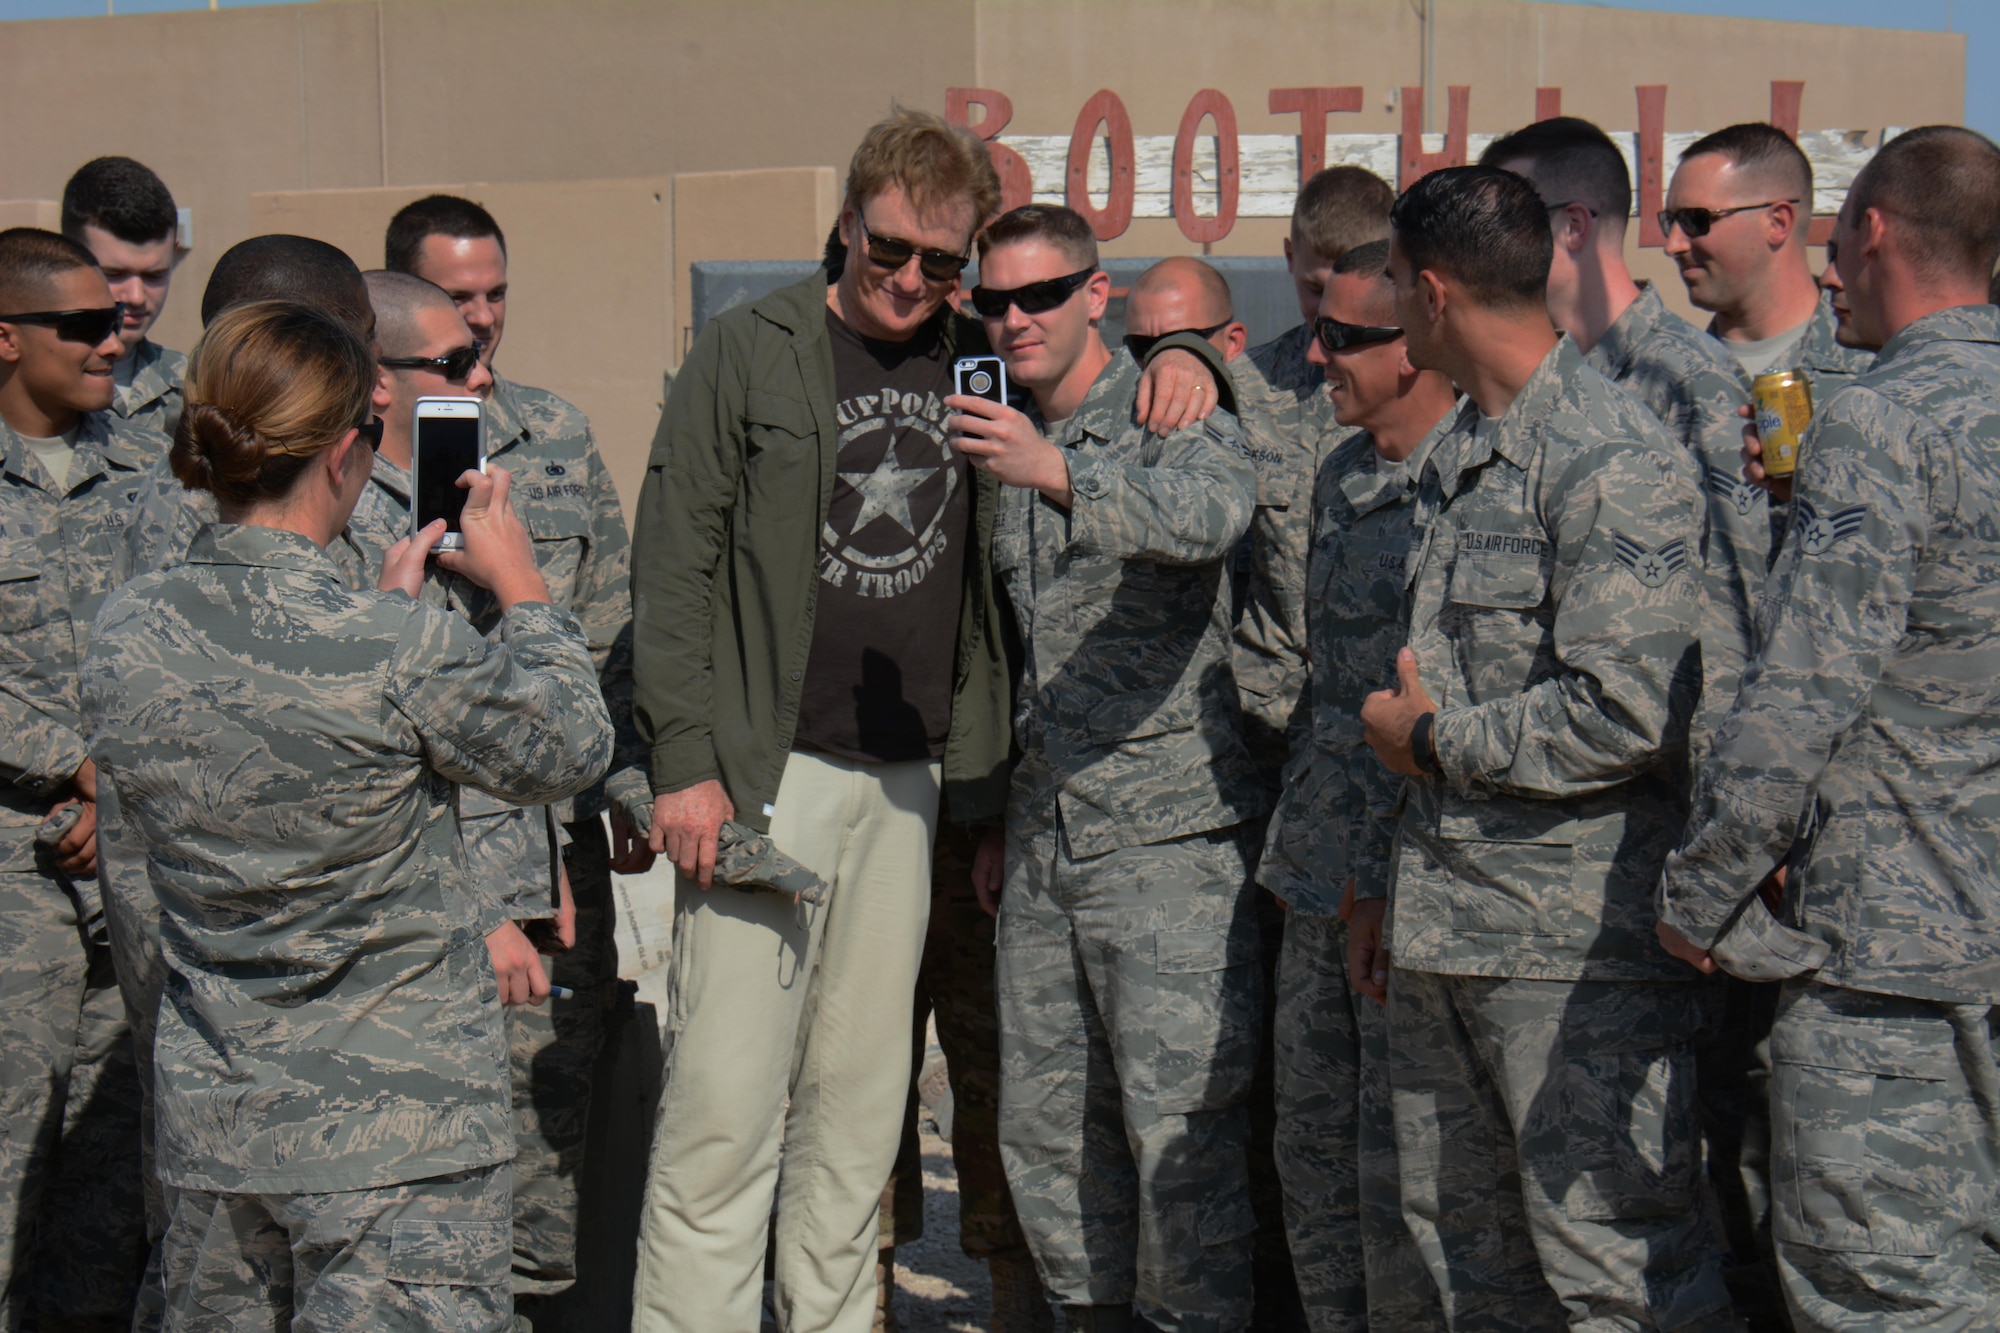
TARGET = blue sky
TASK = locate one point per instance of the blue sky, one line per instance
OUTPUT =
(1979, 20)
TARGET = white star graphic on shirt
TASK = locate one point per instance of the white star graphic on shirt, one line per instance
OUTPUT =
(886, 490)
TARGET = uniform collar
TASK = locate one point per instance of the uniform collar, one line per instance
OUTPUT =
(1518, 432)
(1958, 324)
(1369, 488)
(1628, 333)
(1106, 409)
(259, 548)
(96, 443)
(505, 424)
(156, 372)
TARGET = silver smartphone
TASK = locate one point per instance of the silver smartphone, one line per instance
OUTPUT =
(447, 438)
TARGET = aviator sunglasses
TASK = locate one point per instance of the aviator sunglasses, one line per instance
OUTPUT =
(1334, 335)
(75, 326)
(890, 253)
(1139, 344)
(1696, 223)
(1035, 298)
(454, 365)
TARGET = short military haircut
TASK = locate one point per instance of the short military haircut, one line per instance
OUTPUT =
(1571, 162)
(1763, 150)
(1942, 184)
(1339, 208)
(120, 196)
(31, 259)
(1051, 224)
(289, 268)
(1212, 301)
(435, 215)
(1483, 227)
(933, 161)
(398, 299)
(1371, 261)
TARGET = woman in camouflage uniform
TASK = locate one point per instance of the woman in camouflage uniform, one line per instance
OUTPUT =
(332, 1073)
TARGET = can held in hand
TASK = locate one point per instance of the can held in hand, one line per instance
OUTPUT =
(1783, 399)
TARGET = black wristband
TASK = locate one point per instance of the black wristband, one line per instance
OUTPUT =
(1423, 745)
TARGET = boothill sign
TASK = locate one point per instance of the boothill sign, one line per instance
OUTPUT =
(1257, 175)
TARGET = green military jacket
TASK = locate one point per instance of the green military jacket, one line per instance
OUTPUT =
(1285, 420)
(1128, 712)
(59, 549)
(1556, 605)
(725, 565)
(1877, 681)
(152, 401)
(1336, 815)
(1695, 388)
(287, 750)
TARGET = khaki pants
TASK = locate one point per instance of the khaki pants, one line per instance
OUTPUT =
(770, 1001)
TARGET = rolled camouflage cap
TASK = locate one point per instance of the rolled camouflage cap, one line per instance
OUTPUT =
(747, 859)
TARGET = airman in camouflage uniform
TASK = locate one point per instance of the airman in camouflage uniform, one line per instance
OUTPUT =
(68, 1104)
(67, 1081)
(1874, 686)
(391, 1070)
(1127, 942)
(1541, 1040)
(1334, 824)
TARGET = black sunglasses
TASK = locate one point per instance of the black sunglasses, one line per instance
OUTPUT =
(371, 431)
(890, 253)
(1334, 335)
(1696, 222)
(1140, 345)
(1034, 299)
(454, 365)
(76, 326)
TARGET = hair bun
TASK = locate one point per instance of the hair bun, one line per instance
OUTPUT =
(217, 450)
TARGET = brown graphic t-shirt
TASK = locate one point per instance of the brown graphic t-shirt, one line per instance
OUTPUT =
(892, 557)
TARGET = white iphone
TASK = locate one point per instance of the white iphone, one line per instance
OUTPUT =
(447, 438)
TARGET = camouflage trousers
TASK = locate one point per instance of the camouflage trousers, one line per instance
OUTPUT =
(1129, 995)
(1547, 1136)
(552, 1052)
(410, 1258)
(1885, 1163)
(72, 1227)
(955, 983)
(1358, 1266)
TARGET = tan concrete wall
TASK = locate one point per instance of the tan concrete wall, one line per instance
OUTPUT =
(398, 96)
(43, 213)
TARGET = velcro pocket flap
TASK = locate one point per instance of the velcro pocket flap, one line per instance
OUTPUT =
(1509, 582)
(1880, 1046)
(450, 1254)
(1201, 950)
(1131, 717)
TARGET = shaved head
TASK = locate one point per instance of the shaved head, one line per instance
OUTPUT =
(30, 261)
(1202, 292)
(399, 300)
(289, 268)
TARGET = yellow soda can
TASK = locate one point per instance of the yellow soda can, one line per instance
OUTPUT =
(1783, 400)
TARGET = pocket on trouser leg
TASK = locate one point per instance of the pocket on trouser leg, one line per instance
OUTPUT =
(1867, 1154)
(454, 1275)
(1205, 1008)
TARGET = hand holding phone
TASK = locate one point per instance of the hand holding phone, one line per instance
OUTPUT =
(496, 551)
(447, 440)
